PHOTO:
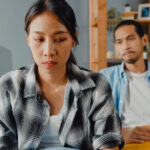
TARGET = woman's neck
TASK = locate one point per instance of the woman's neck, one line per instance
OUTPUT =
(52, 78)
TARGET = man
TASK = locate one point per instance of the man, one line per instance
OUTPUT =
(130, 82)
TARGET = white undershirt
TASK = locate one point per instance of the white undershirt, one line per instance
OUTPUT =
(50, 137)
(136, 109)
(51, 134)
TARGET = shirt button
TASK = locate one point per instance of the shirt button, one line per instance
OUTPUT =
(121, 101)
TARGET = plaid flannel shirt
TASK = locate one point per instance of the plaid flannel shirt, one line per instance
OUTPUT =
(90, 119)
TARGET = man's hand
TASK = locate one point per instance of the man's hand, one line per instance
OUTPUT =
(139, 134)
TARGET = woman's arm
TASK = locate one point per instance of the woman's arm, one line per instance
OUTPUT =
(107, 125)
(8, 137)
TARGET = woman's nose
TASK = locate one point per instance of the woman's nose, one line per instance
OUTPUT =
(49, 49)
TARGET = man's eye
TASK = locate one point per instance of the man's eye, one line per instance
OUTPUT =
(60, 40)
(118, 42)
(132, 38)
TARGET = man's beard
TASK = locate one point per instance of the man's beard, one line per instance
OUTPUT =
(131, 61)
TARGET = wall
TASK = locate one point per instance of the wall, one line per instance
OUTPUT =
(14, 51)
(81, 8)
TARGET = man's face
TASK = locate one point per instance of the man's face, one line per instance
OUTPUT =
(128, 44)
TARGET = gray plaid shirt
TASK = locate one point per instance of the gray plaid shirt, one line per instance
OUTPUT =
(90, 119)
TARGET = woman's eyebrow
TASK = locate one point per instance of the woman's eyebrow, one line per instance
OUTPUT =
(42, 33)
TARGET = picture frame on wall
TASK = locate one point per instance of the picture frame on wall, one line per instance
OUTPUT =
(144, 11)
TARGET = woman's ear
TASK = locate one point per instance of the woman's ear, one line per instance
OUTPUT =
(74, 42)
(76, 34)
(27, 38)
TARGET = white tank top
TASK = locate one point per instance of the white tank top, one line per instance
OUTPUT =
(50, 137)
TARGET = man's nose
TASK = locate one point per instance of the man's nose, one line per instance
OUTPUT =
(125, 45)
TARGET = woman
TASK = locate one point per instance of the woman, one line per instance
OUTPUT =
(54, 103)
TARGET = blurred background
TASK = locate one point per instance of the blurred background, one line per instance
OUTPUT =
(14, 51)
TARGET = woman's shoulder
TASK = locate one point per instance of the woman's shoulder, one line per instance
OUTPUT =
(15, 76)
(87, 73)
(92, 74)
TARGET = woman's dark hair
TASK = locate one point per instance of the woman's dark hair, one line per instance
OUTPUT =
(61, 9)
(138, 27)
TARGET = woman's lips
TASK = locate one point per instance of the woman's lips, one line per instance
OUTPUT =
(49, 63)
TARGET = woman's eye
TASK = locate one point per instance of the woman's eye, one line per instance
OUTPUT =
(39, 40)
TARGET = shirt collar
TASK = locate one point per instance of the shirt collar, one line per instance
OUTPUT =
(122, 68)
(79, 79)
(148, 69)
(30, 87)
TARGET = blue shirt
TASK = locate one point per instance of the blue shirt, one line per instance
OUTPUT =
(118, 81)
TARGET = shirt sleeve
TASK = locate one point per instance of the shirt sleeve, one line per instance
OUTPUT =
(105, 122)
(8, 138)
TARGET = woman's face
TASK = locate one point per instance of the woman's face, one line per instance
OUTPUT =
(50, 42)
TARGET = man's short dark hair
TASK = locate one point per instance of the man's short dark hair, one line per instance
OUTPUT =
(138, 28)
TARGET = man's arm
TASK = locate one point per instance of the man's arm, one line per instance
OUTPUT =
(139, 134)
